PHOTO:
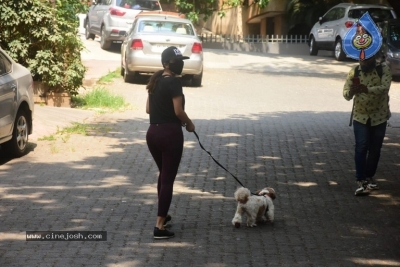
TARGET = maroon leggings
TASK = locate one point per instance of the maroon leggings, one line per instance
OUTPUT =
(165, 142)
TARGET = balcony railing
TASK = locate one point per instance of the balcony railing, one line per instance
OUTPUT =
(213, 38)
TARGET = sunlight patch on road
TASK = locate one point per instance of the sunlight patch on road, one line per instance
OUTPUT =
(305, 184)
(270, 157)
(228, 135)
(375, 262)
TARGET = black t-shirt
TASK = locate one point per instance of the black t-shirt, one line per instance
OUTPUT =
(160, 101)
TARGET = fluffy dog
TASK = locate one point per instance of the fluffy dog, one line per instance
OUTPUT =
(258, 208)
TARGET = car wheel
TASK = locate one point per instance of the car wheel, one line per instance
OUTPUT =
(19, 141)
(339, 53)
(313, 47)
(104, 44)
(128, 76)
(196, 80)
(88, 35)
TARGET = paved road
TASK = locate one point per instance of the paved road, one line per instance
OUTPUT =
(100, 63)
(277, 121)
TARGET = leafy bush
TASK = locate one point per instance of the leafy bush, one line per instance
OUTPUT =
(42, 35)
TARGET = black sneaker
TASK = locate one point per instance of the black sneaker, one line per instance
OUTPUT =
(162, 234)
(362, 189)
(167, 220)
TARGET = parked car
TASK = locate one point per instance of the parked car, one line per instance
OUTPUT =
(17, 105)
(328, 32)
(111, 19)
(150, 35)
(390, 51)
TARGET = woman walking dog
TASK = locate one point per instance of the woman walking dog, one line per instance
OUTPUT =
(165, 104)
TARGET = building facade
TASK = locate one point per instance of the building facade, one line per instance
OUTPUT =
(252, 20)
(249, 20)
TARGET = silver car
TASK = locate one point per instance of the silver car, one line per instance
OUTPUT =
(150, 35)
(390, 51)
(328, 32)
(111, 19)
(16, 105)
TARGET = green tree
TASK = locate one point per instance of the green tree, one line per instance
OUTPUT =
(42, 35)
(236, 3)
(194, 8)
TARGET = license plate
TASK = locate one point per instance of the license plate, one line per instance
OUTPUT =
(159, 47)
(162, 47)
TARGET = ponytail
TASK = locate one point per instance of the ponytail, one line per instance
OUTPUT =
(151, 86)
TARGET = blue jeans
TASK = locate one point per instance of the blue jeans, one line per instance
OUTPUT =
(369, 141)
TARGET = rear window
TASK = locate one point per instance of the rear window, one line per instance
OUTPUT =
(376, 13)
(166, 27)
(139, 4)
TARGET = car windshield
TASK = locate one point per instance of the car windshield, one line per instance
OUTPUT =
(139, 4)
(394, 35)
(375, 13)
(166, 27)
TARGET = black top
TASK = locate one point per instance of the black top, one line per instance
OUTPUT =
(160, 101)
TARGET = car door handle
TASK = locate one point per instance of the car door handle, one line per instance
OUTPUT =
(13, 87)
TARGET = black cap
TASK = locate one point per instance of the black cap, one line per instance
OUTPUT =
(171, 53)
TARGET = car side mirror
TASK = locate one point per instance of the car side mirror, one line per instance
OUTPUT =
(94, 2)
(321, 20)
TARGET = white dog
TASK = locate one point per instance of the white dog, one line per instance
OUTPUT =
(256, 207)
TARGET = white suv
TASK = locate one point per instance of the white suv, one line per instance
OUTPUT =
(112, 19)
(328, 32)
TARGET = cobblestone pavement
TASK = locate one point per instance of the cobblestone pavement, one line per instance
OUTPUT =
(284, 129)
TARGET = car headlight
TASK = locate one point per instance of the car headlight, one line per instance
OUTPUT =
(393, 54)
